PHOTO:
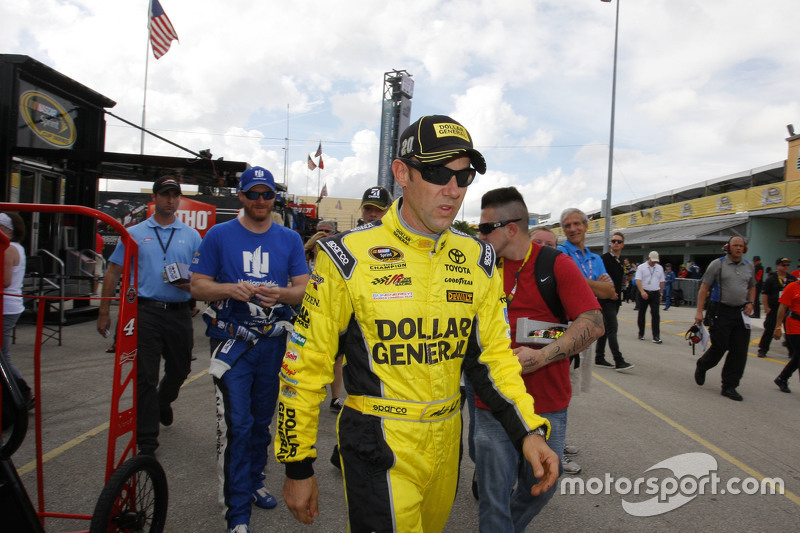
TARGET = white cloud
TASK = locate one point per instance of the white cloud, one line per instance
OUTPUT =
(704, 89)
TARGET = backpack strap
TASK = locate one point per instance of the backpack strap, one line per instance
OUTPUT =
(544, 270)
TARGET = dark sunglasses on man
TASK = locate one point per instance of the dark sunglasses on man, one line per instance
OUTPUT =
(487, 227)
(617, 241)
(440, 175)
(269, 194)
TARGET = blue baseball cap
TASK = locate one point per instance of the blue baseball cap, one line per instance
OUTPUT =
(256, 176)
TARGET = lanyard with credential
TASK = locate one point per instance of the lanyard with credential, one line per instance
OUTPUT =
(164, 248)
(510, 295)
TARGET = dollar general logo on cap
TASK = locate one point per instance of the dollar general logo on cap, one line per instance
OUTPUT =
(444, 129)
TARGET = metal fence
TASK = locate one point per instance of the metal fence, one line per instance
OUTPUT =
(688, 288)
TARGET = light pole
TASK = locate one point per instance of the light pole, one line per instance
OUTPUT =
(607, 214)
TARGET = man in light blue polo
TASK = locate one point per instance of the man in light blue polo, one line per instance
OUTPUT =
(574, 223)
(164, 310)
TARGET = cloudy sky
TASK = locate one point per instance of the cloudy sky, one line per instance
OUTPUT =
(705, 88)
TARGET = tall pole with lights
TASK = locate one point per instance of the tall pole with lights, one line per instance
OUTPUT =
(607, 213)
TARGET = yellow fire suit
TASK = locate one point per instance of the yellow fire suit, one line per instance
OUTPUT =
(408, 311)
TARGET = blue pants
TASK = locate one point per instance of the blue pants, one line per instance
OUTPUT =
(505, 478)
(667, 295)
(246, 398)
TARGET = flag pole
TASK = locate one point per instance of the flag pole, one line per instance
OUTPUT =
(146, 66)
(286, 153)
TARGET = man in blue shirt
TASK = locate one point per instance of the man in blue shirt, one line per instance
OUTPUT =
(253, 271)
(574, 223)
(164, 310)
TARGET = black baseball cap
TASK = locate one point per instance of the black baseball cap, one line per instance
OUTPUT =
(165, 183)
(378, 197)
(436, 139)
(783, 260)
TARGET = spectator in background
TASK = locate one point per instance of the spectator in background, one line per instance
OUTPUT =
(12, 225)
(375, 202)
(310, 248)
(650, 282)
(610, 307)
(759, 272)
(327, 226)
(730, 283)
(669, 277)
(504, 477)
(789, 318)
(773, 287)
(682, 272)
(164, 310)
(544, 236)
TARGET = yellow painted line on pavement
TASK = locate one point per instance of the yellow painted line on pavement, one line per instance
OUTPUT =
(52, 454)
(694, 436)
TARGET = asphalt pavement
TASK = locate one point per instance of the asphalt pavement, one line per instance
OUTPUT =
(630, 422)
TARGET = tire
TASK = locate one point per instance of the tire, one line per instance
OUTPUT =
(134, 499)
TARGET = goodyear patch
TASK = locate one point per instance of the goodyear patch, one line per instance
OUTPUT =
(459, 296)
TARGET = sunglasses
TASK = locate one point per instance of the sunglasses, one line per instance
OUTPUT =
(617, 241)
(487, 227)
(440, 175)
(269, 194)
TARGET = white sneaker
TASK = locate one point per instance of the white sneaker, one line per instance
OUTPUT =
(570, 466)
(241, 528)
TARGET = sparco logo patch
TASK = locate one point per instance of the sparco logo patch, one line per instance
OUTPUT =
(456, 256)
(459, 296)
(386, 254)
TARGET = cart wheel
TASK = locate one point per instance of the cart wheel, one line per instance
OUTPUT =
(134, 499)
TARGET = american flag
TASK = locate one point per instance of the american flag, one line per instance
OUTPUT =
(321, 165)
(311, 165)
(161, 31)
(319, 150)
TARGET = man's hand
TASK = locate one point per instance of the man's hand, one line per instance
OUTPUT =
(698, 317)
(543, 460)
(103, 324)
(530, 359)
(777, 334)
(242, 291)
(301, 497)
(268, 296)
(643, 294)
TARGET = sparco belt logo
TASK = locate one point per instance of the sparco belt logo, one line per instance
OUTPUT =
(457, 256)
(386, 254)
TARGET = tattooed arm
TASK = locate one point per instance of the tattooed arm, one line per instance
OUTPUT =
(583, 331)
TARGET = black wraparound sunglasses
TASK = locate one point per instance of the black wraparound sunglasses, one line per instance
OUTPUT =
(440, 175)
(487, 227)
(269, 194)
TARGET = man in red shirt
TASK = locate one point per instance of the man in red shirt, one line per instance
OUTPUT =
(504, 480)
(790, 311)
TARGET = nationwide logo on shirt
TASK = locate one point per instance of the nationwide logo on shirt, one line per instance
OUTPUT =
(256, 263)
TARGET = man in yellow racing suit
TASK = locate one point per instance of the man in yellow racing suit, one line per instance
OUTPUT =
(409, 308)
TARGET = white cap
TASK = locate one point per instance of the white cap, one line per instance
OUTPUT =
(653, 257)
(6, 222)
